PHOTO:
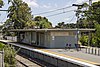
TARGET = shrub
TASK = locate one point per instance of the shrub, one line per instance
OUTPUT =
(1, 46)
(84, 40)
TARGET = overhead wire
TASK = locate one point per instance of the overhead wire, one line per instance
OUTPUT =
(59, 13)
(56, 9)
(71, 19)
(53, 10)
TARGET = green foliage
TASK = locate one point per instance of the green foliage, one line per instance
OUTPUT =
(93, 40)
(19, 14)
(1, 46)
(42, 22)
(97, 35)
(95, 10)
(84, 40)
(1, 3)
(9, 56)
(63, 25)
(90, 19)
(91, 15)
(30, 24)
(19, 17)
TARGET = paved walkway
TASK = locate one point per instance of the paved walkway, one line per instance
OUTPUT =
(77, 55)
(73, 54)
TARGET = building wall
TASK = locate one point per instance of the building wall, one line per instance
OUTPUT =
(27, 38)
(59, 33)
(41, 39)
(50, 39)
(59, 39)
(33, 38)
(47, 39)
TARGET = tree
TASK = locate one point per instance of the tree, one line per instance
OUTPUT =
(9, 56)
(91, 15)
(91, 20)
(67, 26)
(30, 24)
(42, 22)
(97, 35)
(1, 3)
(1, 46)
(61, 25)
(20, 14)
(84, 40)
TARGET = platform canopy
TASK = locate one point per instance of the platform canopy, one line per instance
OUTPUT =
(45, 30)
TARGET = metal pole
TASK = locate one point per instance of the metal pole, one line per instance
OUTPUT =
(90, 2)
(77, 15)
(77, 24)
(77, 36)
(3, 58)
(89, 38)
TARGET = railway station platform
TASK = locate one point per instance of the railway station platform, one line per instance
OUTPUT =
(72, 56)
(76, 55)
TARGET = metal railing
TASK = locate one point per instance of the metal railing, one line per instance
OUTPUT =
(93, 50)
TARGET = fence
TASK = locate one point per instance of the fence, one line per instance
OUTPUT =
(13, 38)
(93, 50)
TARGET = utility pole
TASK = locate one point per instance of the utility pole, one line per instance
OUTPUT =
(89, 34)
(77, 24)
(90, 2)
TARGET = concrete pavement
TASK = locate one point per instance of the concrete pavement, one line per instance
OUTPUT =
(78, 55)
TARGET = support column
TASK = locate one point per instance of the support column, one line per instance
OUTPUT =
(31, 38)
(18, 36)
(89, 36)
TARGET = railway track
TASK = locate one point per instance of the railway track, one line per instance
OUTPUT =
(23, 61)
(36, 61)
(49, 58)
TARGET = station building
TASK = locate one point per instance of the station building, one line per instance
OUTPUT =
(49, 38)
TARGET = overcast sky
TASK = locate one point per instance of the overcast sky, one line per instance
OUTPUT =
(38, 6)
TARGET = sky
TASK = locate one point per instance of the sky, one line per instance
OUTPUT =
(40, 6)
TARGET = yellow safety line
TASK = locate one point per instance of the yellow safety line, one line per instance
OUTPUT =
(70, 57)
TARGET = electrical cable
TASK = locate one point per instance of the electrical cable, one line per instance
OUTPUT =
(53, 10)
(60, 13)
(57, 9)
(71, 19)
